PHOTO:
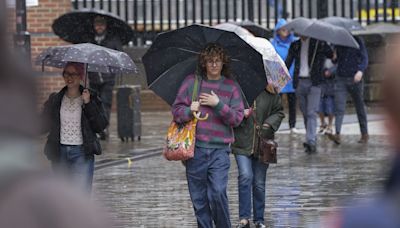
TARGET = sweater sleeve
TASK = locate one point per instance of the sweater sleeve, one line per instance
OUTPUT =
(275, 118)
(363, 64)
(232, 114)
(181, 106)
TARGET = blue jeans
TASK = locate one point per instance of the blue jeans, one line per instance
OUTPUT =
(327, 105)
(207, 176)
(252, 177)
(344, 85)
(309, 97)
(76, 165)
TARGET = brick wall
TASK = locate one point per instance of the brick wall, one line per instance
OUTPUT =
(39, 20)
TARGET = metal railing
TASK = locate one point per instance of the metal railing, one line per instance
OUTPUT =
(148, 17)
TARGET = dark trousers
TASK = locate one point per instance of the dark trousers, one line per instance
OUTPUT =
(343, 86)
(105, 92)
(291, 98)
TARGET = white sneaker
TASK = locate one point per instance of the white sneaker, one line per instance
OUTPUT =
(294, 131)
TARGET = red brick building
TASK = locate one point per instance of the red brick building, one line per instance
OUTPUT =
(39, 21)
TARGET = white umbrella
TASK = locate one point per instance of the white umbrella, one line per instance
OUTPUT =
(275, 69)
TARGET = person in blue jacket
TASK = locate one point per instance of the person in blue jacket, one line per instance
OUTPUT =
(281, 42)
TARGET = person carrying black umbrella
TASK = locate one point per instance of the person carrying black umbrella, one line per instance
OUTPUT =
(220, 98)
(103, 83)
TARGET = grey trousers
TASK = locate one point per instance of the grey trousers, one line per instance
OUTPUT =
(309, 97)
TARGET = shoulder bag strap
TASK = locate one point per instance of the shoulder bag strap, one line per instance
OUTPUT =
(196, 88)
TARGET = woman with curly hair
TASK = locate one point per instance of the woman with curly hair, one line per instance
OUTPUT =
(220, 98)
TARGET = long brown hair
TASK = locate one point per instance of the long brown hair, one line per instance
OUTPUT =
(210, 51)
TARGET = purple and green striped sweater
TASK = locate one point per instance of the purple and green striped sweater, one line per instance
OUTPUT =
(216, 131)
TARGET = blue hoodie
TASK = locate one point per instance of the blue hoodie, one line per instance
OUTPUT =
(282, 48)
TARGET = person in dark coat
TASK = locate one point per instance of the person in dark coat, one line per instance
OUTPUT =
(351, 65)
(73, 117)
(267, 112)
(383, 210)
(103, 83)
(309, 56)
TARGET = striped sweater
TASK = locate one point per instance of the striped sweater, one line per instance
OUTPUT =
(216, 131)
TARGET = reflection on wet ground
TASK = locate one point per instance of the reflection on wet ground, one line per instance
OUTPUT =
(301, 189)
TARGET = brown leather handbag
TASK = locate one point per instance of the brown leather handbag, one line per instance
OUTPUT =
(266, 149)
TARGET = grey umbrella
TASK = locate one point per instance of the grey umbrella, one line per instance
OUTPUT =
(347, 23)
(97, 58)
(298, 25)
(322, 31)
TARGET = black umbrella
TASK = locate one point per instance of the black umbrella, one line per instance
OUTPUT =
(255, 29)
(174, 55)
(347, 23)
(96, 58)
(77, 26)
(322, 31)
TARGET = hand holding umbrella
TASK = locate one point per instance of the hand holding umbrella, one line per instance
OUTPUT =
(195, 108)
(86, 96)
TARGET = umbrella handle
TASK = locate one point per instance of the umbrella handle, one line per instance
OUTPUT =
(86, 74)
(198, 114)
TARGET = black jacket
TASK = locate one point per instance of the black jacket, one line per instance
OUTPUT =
(323, 51)
(112, 42)
(93, 121)
(350, 60)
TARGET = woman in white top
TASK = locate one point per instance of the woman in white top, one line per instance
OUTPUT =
(72, 117)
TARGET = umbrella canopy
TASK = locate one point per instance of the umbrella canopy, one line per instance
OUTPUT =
(322, 31)
(255, 29)
(174, 55)
(240, 31)
(77, 26)
(275, 69)
(97, 58)
(298, 25)
(347, 23)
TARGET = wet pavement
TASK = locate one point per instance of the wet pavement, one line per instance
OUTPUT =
(301, 189)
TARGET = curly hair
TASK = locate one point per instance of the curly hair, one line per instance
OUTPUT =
(210, 51)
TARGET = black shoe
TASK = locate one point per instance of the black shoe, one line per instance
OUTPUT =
(103, 136)
(313, 148)
(309, 148)
(306, 147)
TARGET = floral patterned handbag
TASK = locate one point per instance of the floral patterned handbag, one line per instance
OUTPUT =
(181, 137)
